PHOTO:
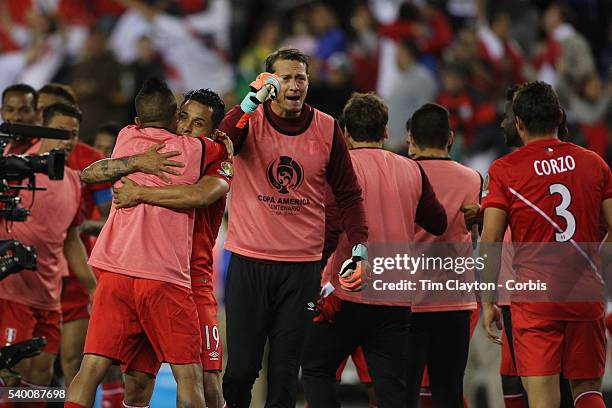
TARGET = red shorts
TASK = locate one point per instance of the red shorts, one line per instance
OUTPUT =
(75, 300)
(212, 349)
(506, 366)
(144, 318)
(360, 364)
(547, 347)
(19, 322)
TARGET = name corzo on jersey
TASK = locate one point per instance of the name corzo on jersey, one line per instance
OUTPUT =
(554, 165)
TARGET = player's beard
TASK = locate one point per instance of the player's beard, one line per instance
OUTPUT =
(512, 138)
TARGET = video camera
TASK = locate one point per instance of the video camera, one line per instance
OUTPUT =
(13, 354)
(15, 256)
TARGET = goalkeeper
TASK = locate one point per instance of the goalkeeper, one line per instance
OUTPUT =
(287, 154)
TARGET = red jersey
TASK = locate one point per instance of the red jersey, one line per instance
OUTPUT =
(552, 192)
(82, 156)
(208, 220)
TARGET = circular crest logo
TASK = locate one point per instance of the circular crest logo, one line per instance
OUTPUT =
(285, 174)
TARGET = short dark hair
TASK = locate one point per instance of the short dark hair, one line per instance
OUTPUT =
(62, 109)
(511, 91)
(291, 54)
(21, 88)
(208, 98)
(112, 128)
(430, 126)
(365, 117)
(537, 105)
(65, 92)
(155, 102)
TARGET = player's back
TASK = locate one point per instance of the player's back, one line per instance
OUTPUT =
(553, 191)
(556, 180)
(391, 186)
(455, 185)
(149, 241)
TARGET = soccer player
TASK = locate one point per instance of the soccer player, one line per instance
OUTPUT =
(287, 154)
(144, 305)
(429, 141)
(31, 299)
(379, 326)
(75, 299)
(547, 203)
(199, 116)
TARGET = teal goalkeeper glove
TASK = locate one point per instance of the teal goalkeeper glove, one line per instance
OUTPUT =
(265, 86)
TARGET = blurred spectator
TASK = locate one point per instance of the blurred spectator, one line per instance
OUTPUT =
(566, 56)
(42, 50)
(426, 26)
(461, 12)
(364, 48)
(466, 114)
(191, 63)
(414, 86)
(330, 37)
(591, 107)
(252, 60)
(330, 93)
(464, 52)
(300, 36)
(499, 51)
(148, 63)
(106, 136)
(96, 78)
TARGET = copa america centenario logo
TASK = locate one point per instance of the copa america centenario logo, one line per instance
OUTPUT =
(285, 174)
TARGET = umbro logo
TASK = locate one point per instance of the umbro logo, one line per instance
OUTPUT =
(214, 355)
(310, 306)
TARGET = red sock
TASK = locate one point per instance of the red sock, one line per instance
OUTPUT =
(69, 404)
(465, 405)
(515, 401)
(112, 395)
(426, 401)
(590, 399)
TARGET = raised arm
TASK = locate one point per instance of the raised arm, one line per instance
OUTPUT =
(151, 162)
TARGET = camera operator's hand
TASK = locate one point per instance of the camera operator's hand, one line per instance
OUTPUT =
(127, 195)
(156, 163)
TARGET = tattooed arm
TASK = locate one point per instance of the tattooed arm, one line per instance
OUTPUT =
(151, 162)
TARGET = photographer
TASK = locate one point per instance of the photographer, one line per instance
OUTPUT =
(30, 300)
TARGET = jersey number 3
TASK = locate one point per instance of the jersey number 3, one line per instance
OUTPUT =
(561, 211)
